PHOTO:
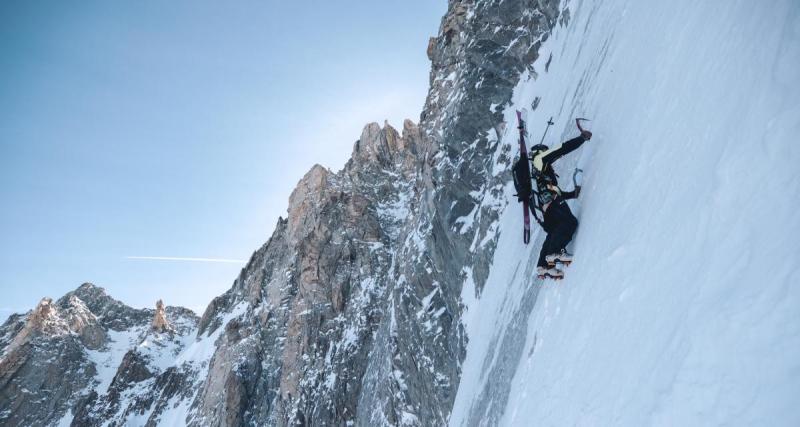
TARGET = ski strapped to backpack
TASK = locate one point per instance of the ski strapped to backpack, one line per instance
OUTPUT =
(522, 179)
(526, 193)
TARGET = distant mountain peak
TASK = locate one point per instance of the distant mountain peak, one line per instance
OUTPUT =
(350, 314)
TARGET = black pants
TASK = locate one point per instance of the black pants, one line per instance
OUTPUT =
(560, 225)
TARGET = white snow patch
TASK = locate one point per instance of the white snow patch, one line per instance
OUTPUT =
(666, 316)
(108, 359)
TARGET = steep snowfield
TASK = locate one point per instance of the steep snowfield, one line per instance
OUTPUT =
(683, 305)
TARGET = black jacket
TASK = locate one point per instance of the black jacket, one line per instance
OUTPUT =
(546, 178)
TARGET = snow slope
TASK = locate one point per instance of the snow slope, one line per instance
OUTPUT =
(683, 306)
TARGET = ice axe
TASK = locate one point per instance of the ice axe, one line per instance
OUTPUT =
(577, 176)
(578, 123)
(549, 122)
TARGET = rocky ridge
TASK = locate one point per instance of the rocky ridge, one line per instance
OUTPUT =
(350, 313)
(62, 356)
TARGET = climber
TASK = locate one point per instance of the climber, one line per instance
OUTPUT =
(557, 220)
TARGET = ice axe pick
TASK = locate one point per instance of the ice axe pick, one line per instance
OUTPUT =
(578, 121)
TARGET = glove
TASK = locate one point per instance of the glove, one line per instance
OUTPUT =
(586, 135)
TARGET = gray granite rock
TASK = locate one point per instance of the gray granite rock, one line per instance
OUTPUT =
(72, 359)
(350, 314)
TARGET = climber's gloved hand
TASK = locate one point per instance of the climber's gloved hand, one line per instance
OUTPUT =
(586, 135)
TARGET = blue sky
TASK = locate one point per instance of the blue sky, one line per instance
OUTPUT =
(179, 129)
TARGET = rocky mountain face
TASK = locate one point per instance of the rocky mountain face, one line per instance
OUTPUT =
(351, 313)
(65, 356)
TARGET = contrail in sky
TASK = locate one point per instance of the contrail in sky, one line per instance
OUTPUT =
(172, 258)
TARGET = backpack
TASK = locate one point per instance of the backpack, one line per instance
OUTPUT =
(521, 172)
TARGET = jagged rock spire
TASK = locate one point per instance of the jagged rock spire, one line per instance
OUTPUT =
(386, 146)
(160, 323)
(82, 354)
(44, 319)
(351, 312)
(42, 313)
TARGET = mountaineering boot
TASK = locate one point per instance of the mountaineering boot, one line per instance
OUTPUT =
(561, 258)
(549, 273)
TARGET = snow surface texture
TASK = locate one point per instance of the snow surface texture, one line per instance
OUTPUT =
(683, 306)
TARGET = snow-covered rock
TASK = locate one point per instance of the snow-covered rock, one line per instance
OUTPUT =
(82, 358)
(398, 290)
(351, 312)
(668, 316)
